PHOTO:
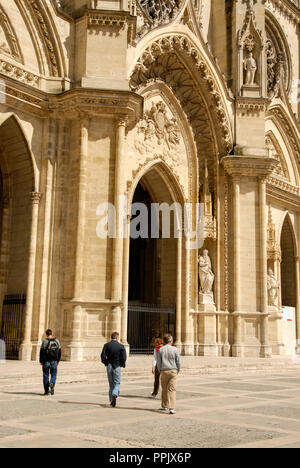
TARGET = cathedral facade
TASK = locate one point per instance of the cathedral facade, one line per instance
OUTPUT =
(109, 108)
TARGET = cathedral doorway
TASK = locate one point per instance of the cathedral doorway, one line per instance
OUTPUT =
(16, 184)
(152, 270)
(288, 286)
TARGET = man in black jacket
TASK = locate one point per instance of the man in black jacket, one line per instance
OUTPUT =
(114, 358)
(50, 356)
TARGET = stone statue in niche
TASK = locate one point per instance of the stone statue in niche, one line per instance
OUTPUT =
(206, 275)
(250, 66)
(273, 288)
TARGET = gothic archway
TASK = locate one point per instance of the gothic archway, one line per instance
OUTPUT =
(17, 182)
(288, 265)
(153, 265)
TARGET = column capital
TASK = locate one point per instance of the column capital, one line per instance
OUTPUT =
(122, 121)
(249, 166)
(35, 198)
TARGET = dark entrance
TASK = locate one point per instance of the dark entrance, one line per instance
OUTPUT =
(12, 324)
(150, 312)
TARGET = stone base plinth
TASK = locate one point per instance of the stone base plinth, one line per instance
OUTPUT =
(187, 349)
(25, 352)
(207, 350)
(237, 351)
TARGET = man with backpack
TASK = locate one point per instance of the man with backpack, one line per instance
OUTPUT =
(50, 356)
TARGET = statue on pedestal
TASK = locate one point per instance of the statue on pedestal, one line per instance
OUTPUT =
(273, 288)
(250, 66)
(206, 276)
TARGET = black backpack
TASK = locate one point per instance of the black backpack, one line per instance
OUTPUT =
(52, 350)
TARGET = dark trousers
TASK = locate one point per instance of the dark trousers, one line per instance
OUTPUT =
(156, 381)
(49, 368)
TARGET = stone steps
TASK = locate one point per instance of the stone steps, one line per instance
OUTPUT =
(29, 374)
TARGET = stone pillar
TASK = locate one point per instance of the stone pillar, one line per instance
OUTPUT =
(237, 345)
(126, 250)
(265, 347)
(49, 170)
(4, 251)
(179, 294)
(26, 347)
(117, 248)
(188, 345)
(298, 303)
(75, 348)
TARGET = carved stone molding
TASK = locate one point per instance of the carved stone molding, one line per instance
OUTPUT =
(46, 35)
(251, 107)
(153, 13)
(116, 22)
(35, 198)
(12, 46)
(18, 73)
(238, 166)
(273, 248)
(121, 104)
(281, 116)
(276, 153)
(284, 8)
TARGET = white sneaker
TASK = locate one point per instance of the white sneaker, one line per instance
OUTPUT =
(172, 411)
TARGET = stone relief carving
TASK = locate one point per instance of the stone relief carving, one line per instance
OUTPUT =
(160, 61)
(159, 134)
(273, 248)
(152, 13)
(273, 288)
(276, 68)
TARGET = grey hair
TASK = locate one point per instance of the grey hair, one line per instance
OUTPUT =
(168, 339)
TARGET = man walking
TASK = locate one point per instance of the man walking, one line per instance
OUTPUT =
(168, 363)
(114, 358)
(50, 356)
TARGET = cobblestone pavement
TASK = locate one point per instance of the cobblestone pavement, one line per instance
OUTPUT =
(245, 409)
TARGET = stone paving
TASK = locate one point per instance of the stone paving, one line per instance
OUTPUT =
(232, 409)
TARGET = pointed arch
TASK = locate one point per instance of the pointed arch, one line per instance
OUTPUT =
(279, 116)
(173, 185)
(178, 61)
(287, 223)
(11, 130)
(289, 250)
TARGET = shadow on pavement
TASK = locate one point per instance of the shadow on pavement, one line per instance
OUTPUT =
(101, 405)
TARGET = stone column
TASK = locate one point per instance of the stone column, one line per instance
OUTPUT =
(265, 347)
(117, 248)
(75, 349)
(126, 249)
(298, 303)
(4, 251)
(26, 347)
(179, 294)
(49, 171)
(188, 345)
(237, 346)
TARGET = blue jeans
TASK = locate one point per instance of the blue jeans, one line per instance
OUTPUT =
(114, 380)
(49, 368)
